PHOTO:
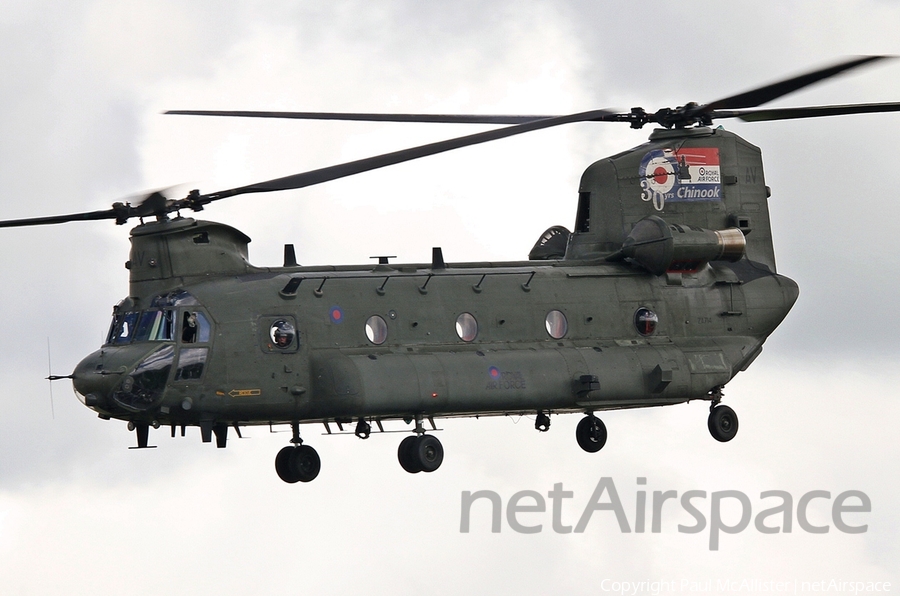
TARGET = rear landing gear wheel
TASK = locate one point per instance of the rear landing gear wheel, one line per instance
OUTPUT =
(591, 434)
(282, 466)
(305, 463)
(297, 464)
(722, 423)
(408, 460)
(429, 452)
(423, 453)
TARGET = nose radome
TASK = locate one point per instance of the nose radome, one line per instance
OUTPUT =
(92, 383)
(97, 375)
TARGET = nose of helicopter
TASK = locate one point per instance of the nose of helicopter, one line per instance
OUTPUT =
(98, 375)
(93, 382)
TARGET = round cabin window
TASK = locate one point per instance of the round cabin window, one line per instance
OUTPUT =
(556, 324)
(376, 330)
(466, 327)
(645, 320)
(282, 334)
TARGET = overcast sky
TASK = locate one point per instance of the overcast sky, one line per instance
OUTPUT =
(80, 127)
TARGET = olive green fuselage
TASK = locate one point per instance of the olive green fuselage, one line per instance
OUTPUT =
(711, 325)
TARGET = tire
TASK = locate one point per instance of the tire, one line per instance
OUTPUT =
(406, 455)
(305, 463)
(283, 466)
(591, 434)
(722, 423)
(428, 452)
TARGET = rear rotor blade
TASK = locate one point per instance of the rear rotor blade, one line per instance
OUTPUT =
(761, 95)
(807, 112)
(368, 117)
(379, 161)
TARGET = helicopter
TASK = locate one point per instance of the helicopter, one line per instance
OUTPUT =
(664, 290)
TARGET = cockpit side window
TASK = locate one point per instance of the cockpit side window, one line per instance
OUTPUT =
(190, 363)
(195, 327)
(111, 334)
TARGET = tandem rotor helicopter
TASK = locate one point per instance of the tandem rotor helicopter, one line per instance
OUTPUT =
(665, 289)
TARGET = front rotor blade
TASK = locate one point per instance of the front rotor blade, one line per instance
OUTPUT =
(807, 112)
(56, 219)
(379, 161)
(151, 204)
(368, 117)
(761, 95)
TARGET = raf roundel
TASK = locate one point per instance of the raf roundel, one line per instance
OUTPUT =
(660, 174)
(336, 315)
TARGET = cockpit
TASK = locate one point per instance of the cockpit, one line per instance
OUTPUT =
(159, 322)
(173, 331)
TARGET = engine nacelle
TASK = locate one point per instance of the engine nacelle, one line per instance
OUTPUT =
(660, 247)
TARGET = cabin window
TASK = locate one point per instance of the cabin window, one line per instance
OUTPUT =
(645, 320)
(466, 327)
(190, 363)
(282, 334)
(556, 324)
(376, 330)
(195, 327)
(278, 334)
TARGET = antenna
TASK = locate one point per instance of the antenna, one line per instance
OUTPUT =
(50, 379)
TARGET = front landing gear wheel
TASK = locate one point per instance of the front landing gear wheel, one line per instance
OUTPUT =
(723, 423)
(591, 434)
(297, 464)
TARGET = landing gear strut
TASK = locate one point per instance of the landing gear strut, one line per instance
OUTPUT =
(142, 432)
(542, 422)
(298, 462)
(420, 453)
(363, 429)
(591, 434)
